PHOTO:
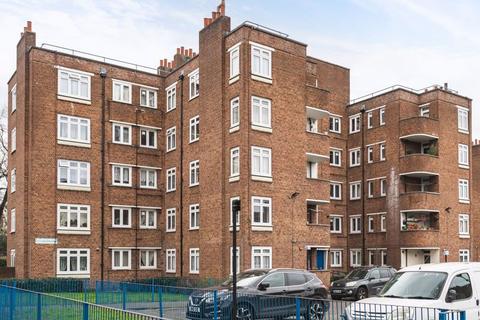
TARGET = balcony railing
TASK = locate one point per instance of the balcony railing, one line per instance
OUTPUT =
(420, 221)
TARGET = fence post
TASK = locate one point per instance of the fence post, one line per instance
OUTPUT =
(124, 296)
(39, 306)
(442, 315)
(215, 305)
(160, 301)
(463, 315)
(96, 292)
(297, 308)
(153, 292)
(85, 311)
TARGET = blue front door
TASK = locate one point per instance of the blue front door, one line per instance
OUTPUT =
(320, 259)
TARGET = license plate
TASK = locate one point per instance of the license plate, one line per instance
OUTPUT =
(337, 291)
(194, 309)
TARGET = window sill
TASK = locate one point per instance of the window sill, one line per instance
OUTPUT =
(262, 129)
(148, 228)
(74, 232)
(148, 188)
(194, 97)
(149, 147)
(121, 227)
(323, 134)
(234, 129)
(234, 79)
(170, 231)
(147, 268)
(168, 151)
(464, 166)
(194, 229)
(193, 141)
(262, 179)
(71, 99)
(464, 236)
(262, 228)
(121, 269)
(234, 179)
(121, 185)
(231, 228)
(463, 131)
(122, 143)
(73, 275)
(169, 110)
(336, 199)
(194, 185)
(194, 272)
(149, 107)
(74, 144)
(120, 101)
(262, 79)
(170, 191)
(464, 201)
(354, 166)
(73, 188)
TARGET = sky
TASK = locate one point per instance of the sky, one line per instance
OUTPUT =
(415, 43)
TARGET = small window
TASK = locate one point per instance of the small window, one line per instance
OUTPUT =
(12, 258)
(121, 176)
(13, 139)
(261, 162)
(74, 84)
(355, 158)
(73, 129)
(235, 162)
(463, 157)
(335, 258)
(73, 261)
(262, 258)
(148, 219)
(262, 61)
(171, 139)
(194, 173)
(335, 224)
(171, 179)
(312, 170)
(148, 259)
(121, 259)
(463, 125)
(171, 97)
(462, 285)
(194, 216)
(383, 187)
(355, 123)
(73, 218)
(369, 154)
(234, 203)
(235, 112)
(234, 62)
(171, 220)
(463, 190)
(355, 258)
(335, 158)
(312, 125)
(335, 191)
(13, 220)
(261, 112)
(13, 94)
(355, 226)
(121, 217)
(383, 223)
(370, 120)
(122, 134)
(382, 152)
(122, 92)
(464, 225)
(261, 211)
(194, 260)
(148, 98)
(194, 80)
(355, 190)
(382, 116)
(194, 129)
(148, 138)
(371, 224)
(73, 174)
(424, 110)
(238, 260)
(335, 124)
(13, 180)
(148, 178)
(370, 187)
(464, 255)
(171, 263)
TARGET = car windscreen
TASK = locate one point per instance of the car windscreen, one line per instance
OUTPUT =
(415, 285)
(357, 274)
(245, 279)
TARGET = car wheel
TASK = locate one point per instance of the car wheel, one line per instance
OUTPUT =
(316, 311)
(362, 293)
(244, 312)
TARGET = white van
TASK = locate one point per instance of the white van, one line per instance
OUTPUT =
(423, 292)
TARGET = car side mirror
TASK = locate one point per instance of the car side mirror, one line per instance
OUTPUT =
(451, 296)
(263, 286)
(371, 278)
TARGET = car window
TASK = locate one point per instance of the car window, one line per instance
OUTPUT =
(384, 273)
(462, 286)
(295, 279)
(275, 280)
(375, 274)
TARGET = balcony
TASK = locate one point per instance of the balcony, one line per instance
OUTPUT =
(420, 145)
(419, 126)
(419, 165)
(315, 215)
(419, 220)
(419, 200)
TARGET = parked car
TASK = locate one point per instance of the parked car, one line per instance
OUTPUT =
(423, 292)
(263, 294)
(361, 282)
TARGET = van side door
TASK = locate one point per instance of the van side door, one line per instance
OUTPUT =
(461, 294)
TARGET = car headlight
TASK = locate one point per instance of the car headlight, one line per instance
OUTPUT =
(351, 283)
(399, 314)
(220, 297)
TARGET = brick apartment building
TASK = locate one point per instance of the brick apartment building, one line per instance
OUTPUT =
(120, 172)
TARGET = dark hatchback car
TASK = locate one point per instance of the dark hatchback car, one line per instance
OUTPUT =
(361, 283)
(263, 294)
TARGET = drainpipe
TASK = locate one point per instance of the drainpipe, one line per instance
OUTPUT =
(180, 136)
(103, 75)
(362, 159)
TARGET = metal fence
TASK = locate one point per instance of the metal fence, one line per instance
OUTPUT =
(169, 302)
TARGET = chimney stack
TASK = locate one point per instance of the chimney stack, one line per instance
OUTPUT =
(215, 14)
(445, 86)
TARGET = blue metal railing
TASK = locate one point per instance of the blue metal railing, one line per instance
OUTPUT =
(170, 302)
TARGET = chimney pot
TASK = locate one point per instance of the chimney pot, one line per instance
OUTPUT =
(190, 51)
(178, 50)
(169, 64)
(161, 63)
(29, 25)
(205, 22)
(194, 54)
(214, 15)
(182, 50)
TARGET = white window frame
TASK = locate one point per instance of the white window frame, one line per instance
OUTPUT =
(69, 210)
(122, 85)
(148, 91)
(13, 220)
(383, 152)
(194, 129)
(424, 110)
(235, 162)
(231, 212)
(70, 121)
(370, 188)
(235, 112)
(81, 77)
(148, 178)
(13, 138)
(238, 261)
(354, 124)
(312, 125)
(355, 154)
(234, 61)
(171, 217)
(148, 213)
(334, 185)
(262, 153)
(148, 141)
(336, 258)
(382, 116)
(463, 156)
(194, 260)
(371, 224)
(383, 223)
(171, 96)
(13, 94)
(355, 224)
(148, 252)
(194, 83)
(463, 120)
(194, 173)
(69, 255)
(333, 219)
(171, 261)
(171, 176)
(171, 139)
(383, 187)
(13, 180)
(370, 154)
(463, 191)
(355, 190)
(355, 257)
(335, 124)
(122, 266)
(336, 156)
(123, 224)
(464, 225)
(370, 119)
(263, 55)
(12, 258)
(312, 170)
(121, 183)
(121, 127)
(62, 163)
(259, 104)
(194, 216)
(265, 252)
(464, 255)
(262, 205)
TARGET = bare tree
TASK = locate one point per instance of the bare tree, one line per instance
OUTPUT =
(3, 162)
